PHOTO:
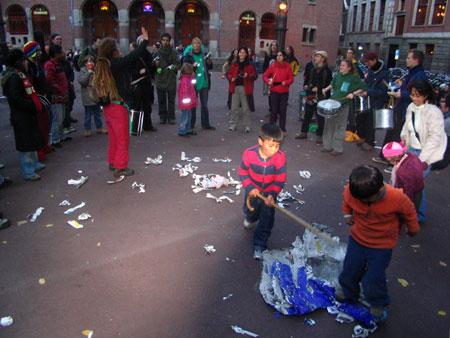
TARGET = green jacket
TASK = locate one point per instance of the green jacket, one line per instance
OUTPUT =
(167, 78)
(345, 84)
(202, 71)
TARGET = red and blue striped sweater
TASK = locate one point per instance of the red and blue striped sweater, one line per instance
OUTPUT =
(268, 176)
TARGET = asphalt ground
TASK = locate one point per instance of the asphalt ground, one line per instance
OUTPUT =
(138, 268)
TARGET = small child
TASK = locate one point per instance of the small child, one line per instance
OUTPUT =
(90, 106)
(407, 171)
(375, 211)
(263, 171)
(187, 99)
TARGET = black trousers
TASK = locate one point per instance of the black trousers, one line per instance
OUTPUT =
(142, 101)
(310, 110)
(279, 107)
(364, 126)
(166, 102)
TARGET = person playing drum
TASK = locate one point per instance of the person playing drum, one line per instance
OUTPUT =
(346, 85)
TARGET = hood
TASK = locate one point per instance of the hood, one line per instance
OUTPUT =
(379, 68)
(9, 71)
(188, 50)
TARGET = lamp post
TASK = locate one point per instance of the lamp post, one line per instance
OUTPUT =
(281, 27)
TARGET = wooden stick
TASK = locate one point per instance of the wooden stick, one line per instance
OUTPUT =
(295, 218)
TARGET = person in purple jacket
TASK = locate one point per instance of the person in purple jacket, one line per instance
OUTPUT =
(407, 171)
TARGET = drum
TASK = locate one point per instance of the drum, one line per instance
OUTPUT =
(136, 122)
(361, 104)
(328, 108)
(384, 118)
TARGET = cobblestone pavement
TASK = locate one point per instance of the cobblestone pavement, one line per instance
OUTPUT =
(138, 269)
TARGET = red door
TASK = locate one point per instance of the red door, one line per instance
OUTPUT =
(151, 23)
(247, 34)
(105, 26)
(190, 27)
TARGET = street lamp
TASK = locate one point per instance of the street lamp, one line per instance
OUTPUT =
(281, 28)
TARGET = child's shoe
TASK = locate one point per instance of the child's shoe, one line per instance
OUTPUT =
(248, 225)
(39, 166)
(87, 133)
(102, 131)
(257, 254)
(35, 177)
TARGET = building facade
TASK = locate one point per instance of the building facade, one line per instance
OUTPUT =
(221, 24)
(392, 27)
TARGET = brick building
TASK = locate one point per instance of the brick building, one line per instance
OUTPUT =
(222, 24)
(392, 27)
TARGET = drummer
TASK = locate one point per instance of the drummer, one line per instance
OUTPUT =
(376, 81)
(345, 85)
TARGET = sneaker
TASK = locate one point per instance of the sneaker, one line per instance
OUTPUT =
(301, 136)
(4, 223)
(66, 131)
(88, 133)
(35, 177)
(257, 254)
(388, 170)
(379, 314)
(379, 160)
(102, 131)
(39, 167)
(72, 129)
(123, 172)
(247, 130)
(248, 225)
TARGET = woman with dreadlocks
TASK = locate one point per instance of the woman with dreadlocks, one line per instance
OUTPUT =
(112, 84)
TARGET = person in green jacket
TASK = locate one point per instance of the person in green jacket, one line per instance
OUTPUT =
(346, 85)
(167, 65)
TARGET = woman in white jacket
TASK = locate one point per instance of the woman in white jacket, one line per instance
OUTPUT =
(423, 131)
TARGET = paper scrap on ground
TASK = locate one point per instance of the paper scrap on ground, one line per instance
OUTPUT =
(69, 211)
(298, 188)
(36, 214)
(41, 281)
(285, 197)
(185, 170)
(214, 181)
(309, 322)
(88, 333)
(209, 248)
(140, 186)
(75, 224)
(117, 180)
(48, 225)
(403, 282)
(304, 174)
(6, 321)
(442, 313)
(223, 160)
(155, 161)
(84, 216)
(227, 296)
(64, 203)
(240, 330)
(78, 182)
(187, 159)
(219, 199)
(22, 222)
(441, 263)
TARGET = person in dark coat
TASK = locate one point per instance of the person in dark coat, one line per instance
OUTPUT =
(24, 105)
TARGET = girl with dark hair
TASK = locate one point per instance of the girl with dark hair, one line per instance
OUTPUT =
(242, 76)
(295, 65)
(113, 89)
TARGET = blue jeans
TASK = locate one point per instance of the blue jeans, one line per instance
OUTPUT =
(366, 265)
(203, 95)
(185, 122)
(57, 116)
(29, 164)
(421, 216)
(266, 217)
(97, 112)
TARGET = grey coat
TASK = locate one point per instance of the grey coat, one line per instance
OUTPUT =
(85, 81)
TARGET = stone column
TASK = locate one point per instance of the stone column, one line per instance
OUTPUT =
(77, 21)
(214, 34)
(124, 31)
(170, 23)
(29, 25)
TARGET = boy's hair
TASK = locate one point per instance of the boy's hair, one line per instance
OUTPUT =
(187, 68)
(166, 35)
(417, 55)
(365, 181)
(55, 50)
(270, 131)
(423, 87)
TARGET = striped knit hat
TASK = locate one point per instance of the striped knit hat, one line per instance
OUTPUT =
(30, 48)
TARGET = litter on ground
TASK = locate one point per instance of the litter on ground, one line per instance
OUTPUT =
(227, 296)
(140, 186)
(64, 203)
(88, 333)
(42, 281)
(304, 174)
(223, 160)
(240, 330)
(6, 321)
(155, 161)
(187, 159)
(403, 282)
(74, 224)
(36, 214)
(185, 170)
(84, 216)
(69, 211)
(209, 248)
(309, 322)
(299, 189)
(78, 182)
(219, 199)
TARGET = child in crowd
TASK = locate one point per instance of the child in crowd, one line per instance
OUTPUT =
(263, 171)
(407, 171)
(187, 99)
(375, 211)
(91, 107)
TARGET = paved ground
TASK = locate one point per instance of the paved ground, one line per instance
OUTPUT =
(139, 269)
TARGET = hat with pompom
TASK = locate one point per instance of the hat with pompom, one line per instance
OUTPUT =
(30, 48)
(392, 149)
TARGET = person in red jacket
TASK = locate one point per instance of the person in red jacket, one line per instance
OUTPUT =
(187, 99)
(242, 76)
(376, 212)
(279, 77)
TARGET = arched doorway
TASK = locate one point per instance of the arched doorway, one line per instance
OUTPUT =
(148, 14)
(17, 20)
(100, 20)
(40, 17)
(268, 27)
(247, 30)
(191, 20)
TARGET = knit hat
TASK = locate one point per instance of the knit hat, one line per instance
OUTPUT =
(30, 48)
(322, 52)
(392, 149)
(371, 56)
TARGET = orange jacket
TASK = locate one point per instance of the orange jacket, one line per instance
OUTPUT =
(377, 225)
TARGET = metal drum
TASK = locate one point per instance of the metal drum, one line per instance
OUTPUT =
(328, 108)
(384, 118)
(136, 122)
(361, 104)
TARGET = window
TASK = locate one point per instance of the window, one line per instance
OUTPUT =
(372, 14)
(309, 34)
(421, 12)
(429, 50)
(40, 18)
(400, 24)
(363, 18)
(355, 11)
(381, 18)
(439, 12)
(402, 5)
(412, 46)
(268, 27)
(17, 20)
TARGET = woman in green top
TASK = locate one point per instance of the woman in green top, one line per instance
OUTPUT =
(346, 85)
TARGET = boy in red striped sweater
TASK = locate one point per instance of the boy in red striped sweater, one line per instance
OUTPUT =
(263, 171)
